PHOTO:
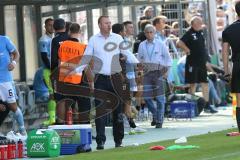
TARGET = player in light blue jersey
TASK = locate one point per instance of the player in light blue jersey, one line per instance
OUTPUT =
(9, 57)
(45, 83)
(45, 43)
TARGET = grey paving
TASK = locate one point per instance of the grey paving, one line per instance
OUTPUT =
(173, 128)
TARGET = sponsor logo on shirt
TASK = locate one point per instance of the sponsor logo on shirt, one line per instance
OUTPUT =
(194, 36)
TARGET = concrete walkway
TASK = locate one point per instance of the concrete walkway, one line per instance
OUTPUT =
(173, 128)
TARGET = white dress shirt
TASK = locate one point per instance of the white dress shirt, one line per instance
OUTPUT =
(105, 53)
(105, 61)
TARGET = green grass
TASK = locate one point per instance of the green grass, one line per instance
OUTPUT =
(213, 146)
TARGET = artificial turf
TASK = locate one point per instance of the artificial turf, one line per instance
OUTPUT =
(213, 146)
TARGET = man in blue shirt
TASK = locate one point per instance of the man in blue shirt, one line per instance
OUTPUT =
(9, 57)
(159, 23)
(155, 60)
(42, 83)
(45, 43)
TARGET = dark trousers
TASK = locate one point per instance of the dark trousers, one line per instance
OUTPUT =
(107, 100)
(3, 114)
(72, 93)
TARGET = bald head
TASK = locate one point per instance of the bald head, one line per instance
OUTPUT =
(196, 23)
(195, 19)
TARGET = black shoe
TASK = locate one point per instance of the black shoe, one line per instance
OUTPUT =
(131, 123)
(153, 123)
(138, 108)
(159, 125)
(100, 146)
(208, 110)
(117, 145)
(212, 109)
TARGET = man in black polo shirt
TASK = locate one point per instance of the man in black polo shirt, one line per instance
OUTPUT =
(60, 36)
(193, 44)
(231, 38)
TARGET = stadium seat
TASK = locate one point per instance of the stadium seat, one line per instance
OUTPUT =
(26, 102)
(21, 98)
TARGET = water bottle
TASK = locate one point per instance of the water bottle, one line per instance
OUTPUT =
(20, 149)
(9, 149)
(5, 148)
(69, 117)
(145, 111)
(2, 150)
(14, 149)
(23, 138)
(141, 114)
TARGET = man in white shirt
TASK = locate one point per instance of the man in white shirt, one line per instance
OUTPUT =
(103, 49)
(155, 60)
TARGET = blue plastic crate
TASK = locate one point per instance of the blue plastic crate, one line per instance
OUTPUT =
(182, 109)
(68, 149)
(74, 138)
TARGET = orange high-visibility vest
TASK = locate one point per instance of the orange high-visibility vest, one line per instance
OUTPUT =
(70, 54)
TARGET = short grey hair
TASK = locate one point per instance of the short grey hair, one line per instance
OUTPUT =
(147, 9)
(149, 27)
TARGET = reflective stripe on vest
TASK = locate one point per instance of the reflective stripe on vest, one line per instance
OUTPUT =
(70, 54)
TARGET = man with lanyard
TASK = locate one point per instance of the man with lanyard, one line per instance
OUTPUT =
(193, 44)
(103, 48)
(231, 38)
(9, 56)
(60, 36)
(42, 82)
(155, 61)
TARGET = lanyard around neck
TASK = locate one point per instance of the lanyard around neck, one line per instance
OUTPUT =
(151, 53)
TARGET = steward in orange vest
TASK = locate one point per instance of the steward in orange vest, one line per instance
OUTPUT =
(70, 53)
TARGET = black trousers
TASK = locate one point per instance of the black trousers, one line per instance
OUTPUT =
(107, 100)
(3, 114)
